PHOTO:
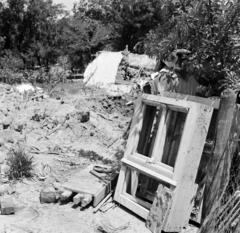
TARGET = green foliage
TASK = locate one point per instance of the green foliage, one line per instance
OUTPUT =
(20, 164)
(10, 67)
(209, 29)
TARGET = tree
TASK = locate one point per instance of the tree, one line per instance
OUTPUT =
(209, 29)
(29, 30)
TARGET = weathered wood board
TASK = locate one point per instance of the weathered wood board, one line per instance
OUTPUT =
(159, 211)
(86, 183)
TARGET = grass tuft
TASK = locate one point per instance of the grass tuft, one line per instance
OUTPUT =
(20, 164)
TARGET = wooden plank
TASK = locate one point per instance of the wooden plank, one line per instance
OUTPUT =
(103, 201)
(160, 137)
(146, 160)
(158, 167)
(209, 102)
(86, 200)
(149, 172)
(169, 138)
(170, 106)
(160, 209)
(146, 130)
(120, 182)
(126, 180)
(134, 207)
(176, 139)
(154, 131)
(138, 201)
(189, 155)
(227, 136)
(190, 207)
(83, 182)
(109, 185)
(136, 126)
(156, 100)
(134, 182)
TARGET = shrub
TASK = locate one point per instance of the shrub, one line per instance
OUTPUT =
(20, 164)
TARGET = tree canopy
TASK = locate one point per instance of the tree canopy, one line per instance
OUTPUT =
(38, 32)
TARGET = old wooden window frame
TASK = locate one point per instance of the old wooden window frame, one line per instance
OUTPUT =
(188, 156)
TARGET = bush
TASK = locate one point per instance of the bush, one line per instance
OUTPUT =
(20, 164)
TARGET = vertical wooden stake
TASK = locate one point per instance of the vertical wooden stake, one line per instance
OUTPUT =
(226, 136)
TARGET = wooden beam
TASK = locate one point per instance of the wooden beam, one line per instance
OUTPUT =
(156, 100)
(136, 126)
(138, 200)
(134, 207)
(226, 139)
(186, 166)
(86, 200)
(149, 172)
(209, 102)
(160, 137)
(134, 182)
(143, 145)
(78, 198)
(158, 168)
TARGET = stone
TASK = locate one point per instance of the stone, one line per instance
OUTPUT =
(48, 195)
(2, 141)
(81, 116)
(7, 121)
(58, 187)
(120, 125)
(6, 189)
(65, 195)
(18, 126)
(7, 205)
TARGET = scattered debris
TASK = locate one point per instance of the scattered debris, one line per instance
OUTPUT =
(106, 227)
(103, 201)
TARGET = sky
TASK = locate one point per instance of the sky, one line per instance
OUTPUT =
(67, 3)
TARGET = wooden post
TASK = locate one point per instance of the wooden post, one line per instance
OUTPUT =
(217, 178)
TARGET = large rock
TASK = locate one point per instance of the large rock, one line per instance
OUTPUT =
(48, 195)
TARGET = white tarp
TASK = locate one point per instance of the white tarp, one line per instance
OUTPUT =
(103, 70)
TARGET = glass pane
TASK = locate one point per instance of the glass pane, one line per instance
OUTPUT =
(148, 131)
(173, 137)
(146, 188)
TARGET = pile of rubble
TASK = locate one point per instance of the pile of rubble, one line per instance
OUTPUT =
(60, 127)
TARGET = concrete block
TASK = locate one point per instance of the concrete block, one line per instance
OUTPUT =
(48, 195)
(7, 205)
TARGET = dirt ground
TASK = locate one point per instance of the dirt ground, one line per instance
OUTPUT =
(56, 131)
